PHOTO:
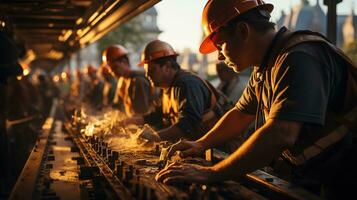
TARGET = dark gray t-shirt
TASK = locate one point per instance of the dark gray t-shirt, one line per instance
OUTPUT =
(189, 98)
(303, 85)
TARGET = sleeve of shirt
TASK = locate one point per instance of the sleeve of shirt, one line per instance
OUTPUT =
(300, 90)
(193, 98)
(248, 102)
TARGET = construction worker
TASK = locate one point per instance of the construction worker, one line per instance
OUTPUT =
(133, 92)
(189, 104)
(304, 87)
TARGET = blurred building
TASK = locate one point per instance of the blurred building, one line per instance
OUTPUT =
(202, 64)
(312, 17)
(148, 23)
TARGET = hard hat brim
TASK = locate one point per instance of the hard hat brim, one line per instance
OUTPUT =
(207, 46)
(142, 63)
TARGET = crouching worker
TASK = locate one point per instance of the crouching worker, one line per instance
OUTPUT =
(190, 105)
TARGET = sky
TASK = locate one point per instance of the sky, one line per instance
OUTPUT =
(180, 20)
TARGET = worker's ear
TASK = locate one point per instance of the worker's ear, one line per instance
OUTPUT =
(242, 30)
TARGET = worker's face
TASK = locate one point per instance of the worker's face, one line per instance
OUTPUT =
(118, 65)
(231, 43)
(154, 72)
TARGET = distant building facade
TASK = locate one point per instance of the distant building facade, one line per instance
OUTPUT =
(312, 17)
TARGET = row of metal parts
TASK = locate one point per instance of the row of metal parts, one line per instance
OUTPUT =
(114, 178)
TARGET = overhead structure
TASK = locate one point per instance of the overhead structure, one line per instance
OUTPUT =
(52, 30)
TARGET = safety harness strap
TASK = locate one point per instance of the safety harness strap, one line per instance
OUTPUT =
(216, 99)
(324, 142)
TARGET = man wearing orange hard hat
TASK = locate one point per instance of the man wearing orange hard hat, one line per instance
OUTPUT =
(302, 86)
(134, 93)
(190, 106)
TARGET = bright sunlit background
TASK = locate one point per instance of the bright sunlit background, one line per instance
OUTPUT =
(180, 20)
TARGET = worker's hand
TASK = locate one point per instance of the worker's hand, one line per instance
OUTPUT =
(186, 173)
(149, 134)
(186, 148)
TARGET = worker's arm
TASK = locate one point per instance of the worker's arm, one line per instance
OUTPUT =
(265, 145)
(232, 125)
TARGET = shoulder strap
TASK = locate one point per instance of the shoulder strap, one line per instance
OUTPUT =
(214, 93)
(299, 37)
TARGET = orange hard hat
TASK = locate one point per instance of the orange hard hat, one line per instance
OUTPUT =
(114, 51)
(156, 49)
(218, 13)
